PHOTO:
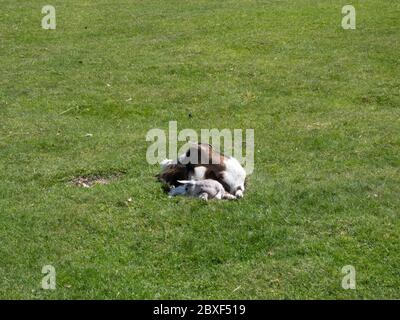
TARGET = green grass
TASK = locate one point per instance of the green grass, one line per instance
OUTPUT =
(324, 104)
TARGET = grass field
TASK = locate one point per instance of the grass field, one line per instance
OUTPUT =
(324, 106)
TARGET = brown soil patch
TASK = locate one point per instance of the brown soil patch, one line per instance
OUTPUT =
(91, 180)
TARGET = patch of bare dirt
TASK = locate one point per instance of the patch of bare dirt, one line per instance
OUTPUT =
(90, 181)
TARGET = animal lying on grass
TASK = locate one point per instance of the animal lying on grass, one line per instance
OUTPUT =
(203, 189)
(202, 162)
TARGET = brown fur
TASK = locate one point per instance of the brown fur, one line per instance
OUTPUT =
(203, 154)
(200, 155)
(172, 174)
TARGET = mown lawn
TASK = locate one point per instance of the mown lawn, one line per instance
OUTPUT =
(324, 104)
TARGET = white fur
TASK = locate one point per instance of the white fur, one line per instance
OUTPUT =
(166, 163)
(203, 189)
(234, 176)
(199, 173)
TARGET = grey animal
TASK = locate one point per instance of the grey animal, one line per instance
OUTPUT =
(203, 189)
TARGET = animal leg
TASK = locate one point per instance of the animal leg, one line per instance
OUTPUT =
(228, 196)
(218, 196)
(204, 196)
